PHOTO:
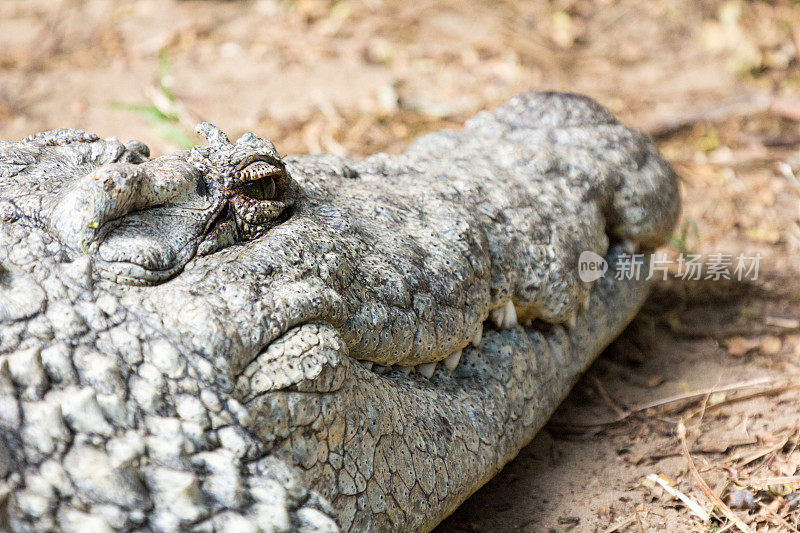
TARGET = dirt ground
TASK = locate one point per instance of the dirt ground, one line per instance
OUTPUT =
(717, 83)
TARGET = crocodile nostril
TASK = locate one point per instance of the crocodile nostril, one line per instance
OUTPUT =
(201, 189)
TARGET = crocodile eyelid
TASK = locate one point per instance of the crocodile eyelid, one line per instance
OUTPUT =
(250, 159)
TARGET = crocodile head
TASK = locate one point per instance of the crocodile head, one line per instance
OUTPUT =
(292, 339)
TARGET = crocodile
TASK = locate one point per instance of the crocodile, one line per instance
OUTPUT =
(224, 339)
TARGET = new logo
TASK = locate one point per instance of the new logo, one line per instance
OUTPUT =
(591, 266)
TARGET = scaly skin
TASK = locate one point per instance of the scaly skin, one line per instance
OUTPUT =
(188, 341)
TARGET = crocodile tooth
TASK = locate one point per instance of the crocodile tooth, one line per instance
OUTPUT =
(585, 303)
(367, 364)
(427, 369)
(477, 336)
(510, 319)
(404, 369)
(498, 316)
(451, 361)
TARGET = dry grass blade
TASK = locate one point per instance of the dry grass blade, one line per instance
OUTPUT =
(719, 504)
(639, 522)
(764, 392)
(693, 506)
(761, 453)
(625, 523)
(700, 393)
(770, 481)
(726, 527)
(690, 396)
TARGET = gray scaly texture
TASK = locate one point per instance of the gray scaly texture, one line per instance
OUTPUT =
(222, 339)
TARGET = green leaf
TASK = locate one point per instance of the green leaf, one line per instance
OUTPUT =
(163, 73)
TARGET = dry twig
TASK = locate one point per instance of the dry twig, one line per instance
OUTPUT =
(718, 503)
(742, 105)
(607, 398)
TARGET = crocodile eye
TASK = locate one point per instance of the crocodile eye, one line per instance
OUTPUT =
(260, 189)
(259, 180)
